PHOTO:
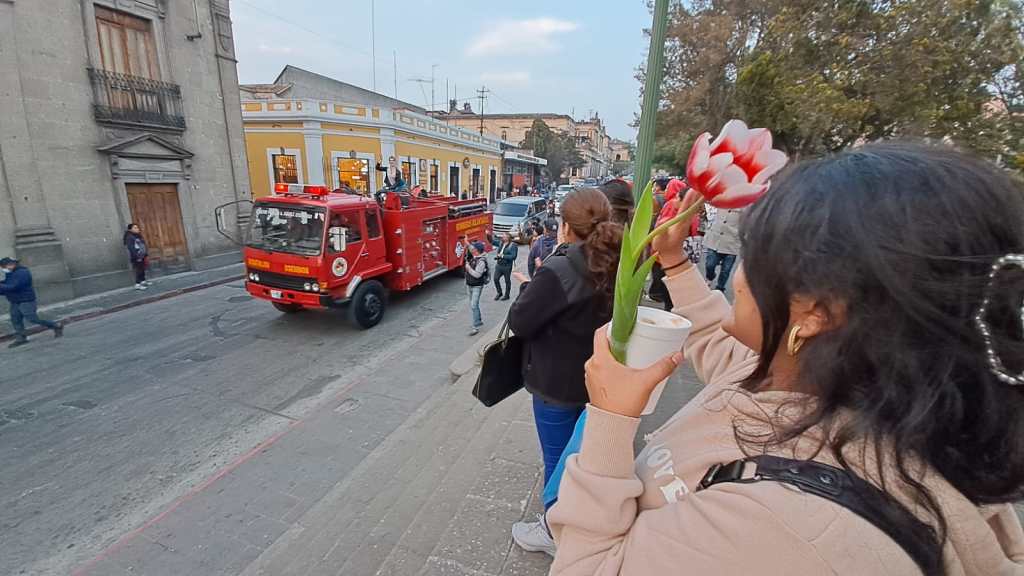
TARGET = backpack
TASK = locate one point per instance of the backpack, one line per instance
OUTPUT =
(843, 488)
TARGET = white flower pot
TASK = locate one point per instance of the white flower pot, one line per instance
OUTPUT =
(657, 334)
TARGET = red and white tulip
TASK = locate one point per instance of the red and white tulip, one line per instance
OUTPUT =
(735, 169)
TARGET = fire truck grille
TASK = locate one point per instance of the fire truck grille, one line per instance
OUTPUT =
(282, 280)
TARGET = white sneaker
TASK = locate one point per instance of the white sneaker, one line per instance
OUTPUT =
(140, 287)
(534, 536)
(147, 283)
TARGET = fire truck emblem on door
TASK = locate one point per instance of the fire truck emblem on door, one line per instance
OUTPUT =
(339, 267)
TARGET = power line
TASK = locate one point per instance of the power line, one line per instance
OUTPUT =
(512, 106)
(301, 27)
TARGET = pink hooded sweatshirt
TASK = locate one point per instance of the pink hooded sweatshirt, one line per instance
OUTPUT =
(641, 516)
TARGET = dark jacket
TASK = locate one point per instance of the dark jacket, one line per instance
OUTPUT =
(507, 254)
(556, 315)
(542, 248)
(136, 245)
(390, 182)
(17, 286)
(481, 267)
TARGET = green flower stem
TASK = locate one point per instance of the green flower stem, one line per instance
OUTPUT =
(664, 226)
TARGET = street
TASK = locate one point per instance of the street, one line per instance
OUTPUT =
(103, 430)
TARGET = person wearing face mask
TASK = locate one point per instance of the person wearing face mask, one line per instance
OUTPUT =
(17, 287)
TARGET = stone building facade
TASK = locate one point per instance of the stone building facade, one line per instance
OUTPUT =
(116, 111)
(592, 139)
(594, 145)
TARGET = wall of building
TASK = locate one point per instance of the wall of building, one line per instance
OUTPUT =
(257, 143)
(64, 201)
(321, 132)
(510, 128)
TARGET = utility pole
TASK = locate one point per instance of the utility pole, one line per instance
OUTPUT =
(395, 52)
(482, 94)
(432, 68)
(652, 96)
(373, 45)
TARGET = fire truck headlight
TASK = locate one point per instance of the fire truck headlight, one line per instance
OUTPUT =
(307, 286)
(252, 276)
(316, 287)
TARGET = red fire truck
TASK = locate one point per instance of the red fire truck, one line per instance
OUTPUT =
(308, 247)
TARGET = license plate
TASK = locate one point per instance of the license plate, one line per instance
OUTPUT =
(276, 294)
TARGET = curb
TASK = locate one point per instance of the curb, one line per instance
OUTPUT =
(128, 305)
(470, 359)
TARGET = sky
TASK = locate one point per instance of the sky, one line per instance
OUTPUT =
(569, 56)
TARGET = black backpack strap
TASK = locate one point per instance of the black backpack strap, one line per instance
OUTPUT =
(843, 488)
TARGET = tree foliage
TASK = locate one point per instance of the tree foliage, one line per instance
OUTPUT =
(825, 74)
(557, 148)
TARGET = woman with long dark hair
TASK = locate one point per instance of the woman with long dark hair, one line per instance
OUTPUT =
(138, 254)
(864, 403)
(556, 315)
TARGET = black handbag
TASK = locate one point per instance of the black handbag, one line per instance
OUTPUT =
(501, 368)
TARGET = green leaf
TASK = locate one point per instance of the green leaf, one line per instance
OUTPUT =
(642, 216)
(629, 279)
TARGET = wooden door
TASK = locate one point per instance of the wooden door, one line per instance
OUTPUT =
(155, 208)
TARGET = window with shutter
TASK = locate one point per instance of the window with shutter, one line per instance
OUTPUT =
(126, 44)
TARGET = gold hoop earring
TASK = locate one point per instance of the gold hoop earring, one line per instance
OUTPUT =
(795, 342)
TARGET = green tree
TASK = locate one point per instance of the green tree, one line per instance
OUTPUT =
(557, 148)
(827, 74)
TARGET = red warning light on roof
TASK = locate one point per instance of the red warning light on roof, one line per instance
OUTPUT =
(280, 188)
(315, 190)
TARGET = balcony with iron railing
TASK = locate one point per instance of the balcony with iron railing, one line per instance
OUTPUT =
(136, 101)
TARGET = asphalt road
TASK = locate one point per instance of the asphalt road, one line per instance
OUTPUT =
(101, 430)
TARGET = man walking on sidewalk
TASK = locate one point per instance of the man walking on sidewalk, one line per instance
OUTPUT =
(17, 287)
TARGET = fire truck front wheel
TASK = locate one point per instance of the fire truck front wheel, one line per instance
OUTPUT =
(368, 303)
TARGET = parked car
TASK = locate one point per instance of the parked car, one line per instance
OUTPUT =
(512, 214)
(560, 195)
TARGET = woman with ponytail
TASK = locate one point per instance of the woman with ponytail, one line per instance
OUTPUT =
(556, 314)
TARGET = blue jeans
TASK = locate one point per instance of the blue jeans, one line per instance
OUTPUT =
(474, 304)
(554, 428)
(550, 494)
(712, 259)
(23, 311)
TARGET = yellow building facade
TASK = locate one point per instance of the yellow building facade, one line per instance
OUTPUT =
(329, 143)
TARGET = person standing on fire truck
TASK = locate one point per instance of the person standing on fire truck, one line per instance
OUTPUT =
(477, 276)
(392, 175)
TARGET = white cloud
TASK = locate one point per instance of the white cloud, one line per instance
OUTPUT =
(505, 78)
(533, 36)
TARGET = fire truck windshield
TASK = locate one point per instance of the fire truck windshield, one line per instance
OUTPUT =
(287, 228)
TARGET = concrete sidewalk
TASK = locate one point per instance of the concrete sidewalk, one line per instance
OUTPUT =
(99, 304)
(438, 497)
